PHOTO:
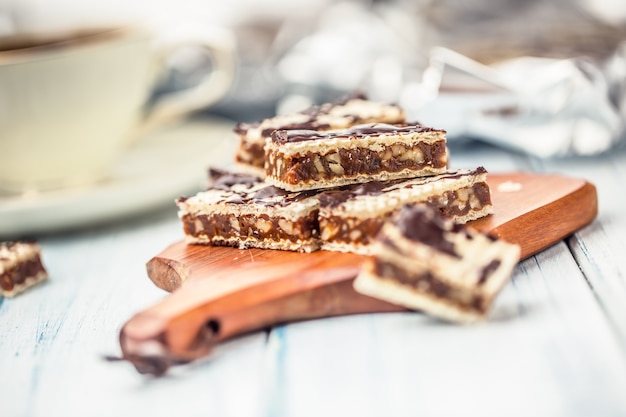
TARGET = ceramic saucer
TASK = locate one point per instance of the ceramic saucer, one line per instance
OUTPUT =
(170, 163)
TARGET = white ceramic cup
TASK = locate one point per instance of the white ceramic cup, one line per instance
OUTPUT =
(71, 102)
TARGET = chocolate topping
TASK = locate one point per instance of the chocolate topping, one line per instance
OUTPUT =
(265, 196)
(337, 197)
(268, 192)
(224, 180)
(313, 114)
(370, 129)
(476, 171)
(488, 270)
(425, 224)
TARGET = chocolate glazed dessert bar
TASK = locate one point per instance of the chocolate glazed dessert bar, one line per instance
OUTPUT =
(348, 112)
(425, 262)
(242, 211)
(350, 218)
(20, 267)
(299, 160)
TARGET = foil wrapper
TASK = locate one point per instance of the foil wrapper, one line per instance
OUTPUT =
(540, 106)
(546, 107)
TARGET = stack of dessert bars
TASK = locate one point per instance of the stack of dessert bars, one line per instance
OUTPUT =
(328, 178)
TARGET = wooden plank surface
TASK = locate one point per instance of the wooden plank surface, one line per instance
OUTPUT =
(599, 249)
(551, 349)
(547, 350)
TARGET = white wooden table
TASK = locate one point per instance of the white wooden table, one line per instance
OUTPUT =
(554, 344)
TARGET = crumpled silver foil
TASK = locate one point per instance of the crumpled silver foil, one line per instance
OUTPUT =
(541, 106)
(547, 107)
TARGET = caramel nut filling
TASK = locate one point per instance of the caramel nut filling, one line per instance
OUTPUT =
(394, 158)
(455, 203)
(425, 283)
(260, 227)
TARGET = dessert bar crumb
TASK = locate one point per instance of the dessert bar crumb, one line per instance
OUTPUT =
(21, 267)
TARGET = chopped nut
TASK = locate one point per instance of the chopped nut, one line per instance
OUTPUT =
(337, 169)
(333, 158)
(459, 204)
(286, 226)
(413, 154)
(278, 166)
(263, 225)
(355, 234)
(463, 194)
(318, 164)
(474, 202)
(327, 231)
(234, 223)
(398, 149)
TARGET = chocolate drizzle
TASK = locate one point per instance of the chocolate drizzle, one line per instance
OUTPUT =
(269, 192)
(283, 136)
(425, 224)
(336, 197)
(488, 270)
(224, 180)
(313, 113)
(244, 189)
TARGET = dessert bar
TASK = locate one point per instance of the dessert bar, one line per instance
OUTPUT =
(20, 267)
(426, 262)
(349, 218)
(304, 159)
(242, 211)
(355, 109)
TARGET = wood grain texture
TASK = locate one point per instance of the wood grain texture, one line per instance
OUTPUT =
(227, 292)
(599, 248)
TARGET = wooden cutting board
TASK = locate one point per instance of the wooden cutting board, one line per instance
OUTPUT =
(219, 293)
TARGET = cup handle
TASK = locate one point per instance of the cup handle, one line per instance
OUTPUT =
(173, 106)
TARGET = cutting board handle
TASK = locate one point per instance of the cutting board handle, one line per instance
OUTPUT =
(185, 325)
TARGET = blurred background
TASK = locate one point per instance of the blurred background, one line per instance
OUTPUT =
(293, 54)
